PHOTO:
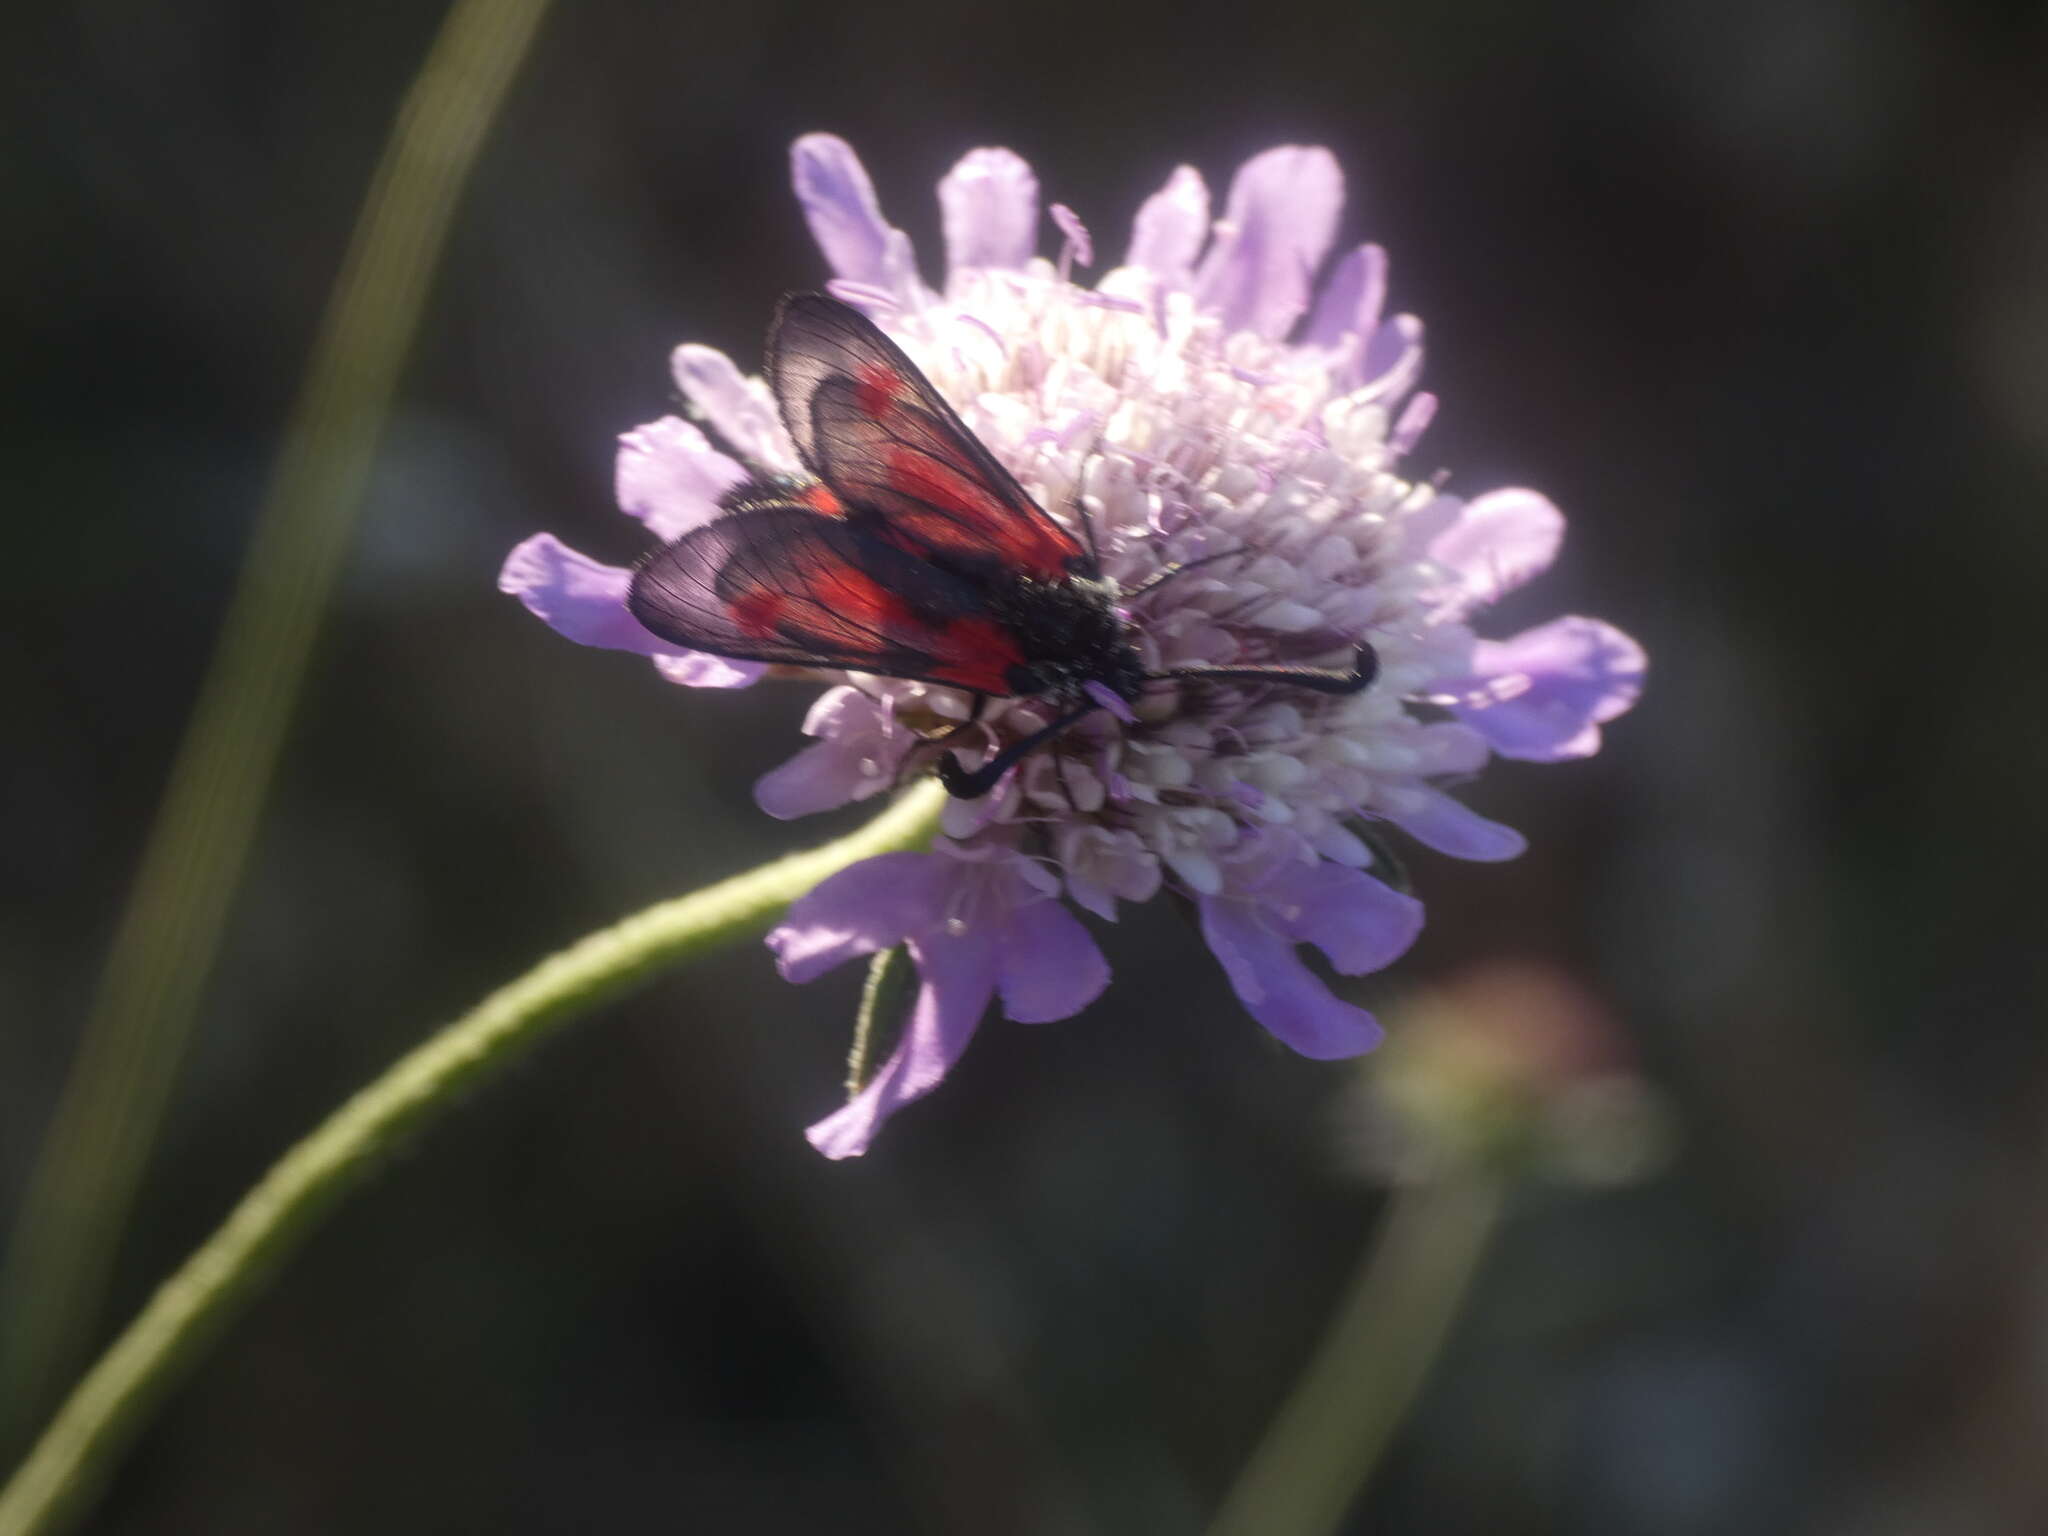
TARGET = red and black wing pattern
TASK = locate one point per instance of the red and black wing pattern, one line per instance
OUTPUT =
(785, 584)
(869, 425)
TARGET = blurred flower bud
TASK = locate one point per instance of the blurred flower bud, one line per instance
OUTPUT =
(1515, 1067)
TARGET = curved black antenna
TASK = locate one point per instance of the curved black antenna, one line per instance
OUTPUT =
(1160, 578)
(1365, 666)
(1088, 525)
(964, 785)
(1079, 502)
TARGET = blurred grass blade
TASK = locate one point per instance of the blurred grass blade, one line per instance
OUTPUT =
(83, 1186)
(1336, 1425)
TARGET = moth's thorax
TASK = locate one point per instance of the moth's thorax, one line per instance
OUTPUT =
(1069, 633)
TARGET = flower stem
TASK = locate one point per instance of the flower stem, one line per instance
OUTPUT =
(1335, 1426)
(879, 1021)
(79, 1195)
(190, 1308)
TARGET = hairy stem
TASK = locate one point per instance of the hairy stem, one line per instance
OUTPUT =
(134, 1037)
(191, 1308)
(883, 997)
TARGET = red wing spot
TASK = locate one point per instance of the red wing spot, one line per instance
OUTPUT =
(861, 600)
(977, 653)
(845, 608)
(986, 652)
(756, 613)
(819, 497)
(1019, 543)
(877, 389)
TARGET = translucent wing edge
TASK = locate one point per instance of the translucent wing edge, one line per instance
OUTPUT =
(839, 328)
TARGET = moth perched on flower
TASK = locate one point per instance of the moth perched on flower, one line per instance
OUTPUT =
(912, 553)
(1133, 568)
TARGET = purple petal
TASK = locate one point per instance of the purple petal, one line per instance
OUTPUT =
(1392, 364)
(839, 204)
(1093, 895)
(577, 597)
(585, 601)
(1503, 539)
(1452, 827)
(959, 978)
(881, 305)
(844, 712)
(670, 478)
(1350, 302)
(865, 907)
(821, 777)
(1169, 230)
(1553, 687)
(700, 669)
(1049, 967)
(1280, 220)
(1413, 421)
(1446, 747)
(855, 756)
(1358, 922)
(1102, 866)
(740, 410)
(988, 204)
(1277, 988)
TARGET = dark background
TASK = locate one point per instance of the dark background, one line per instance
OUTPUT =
(1756, 290)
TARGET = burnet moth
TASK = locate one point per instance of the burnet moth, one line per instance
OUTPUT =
(911, 553)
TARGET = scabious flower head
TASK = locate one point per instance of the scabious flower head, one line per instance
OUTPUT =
(1203, 399)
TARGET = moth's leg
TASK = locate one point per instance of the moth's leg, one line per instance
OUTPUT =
(1161, 577)
(1059, 770)
(974, 713)
(963, 784)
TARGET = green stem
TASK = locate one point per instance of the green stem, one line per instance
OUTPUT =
(1358, 1386)
(192, 1306)
(879, 1020)
(133, 1039)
